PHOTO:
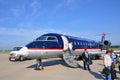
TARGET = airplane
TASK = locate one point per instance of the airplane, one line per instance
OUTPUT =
(55, 45)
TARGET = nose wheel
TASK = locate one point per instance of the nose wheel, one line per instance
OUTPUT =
(39, 65)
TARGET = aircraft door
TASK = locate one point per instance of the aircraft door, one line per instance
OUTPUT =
(65, 42)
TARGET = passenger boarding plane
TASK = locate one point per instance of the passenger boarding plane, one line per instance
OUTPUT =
(54, 45)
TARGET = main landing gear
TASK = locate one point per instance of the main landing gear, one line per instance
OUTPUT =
(39, 65)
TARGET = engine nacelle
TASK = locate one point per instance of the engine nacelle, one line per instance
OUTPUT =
(106, 44)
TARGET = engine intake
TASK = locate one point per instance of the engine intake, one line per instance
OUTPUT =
(106, 44)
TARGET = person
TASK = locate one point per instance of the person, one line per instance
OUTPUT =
(113, 71)
(118, 61)
(107, 63)
(113, 56)
(70, 48)
(86, 57)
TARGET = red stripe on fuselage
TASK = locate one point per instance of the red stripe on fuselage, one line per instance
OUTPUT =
(62, 48)
(89, 48)
(45, 48)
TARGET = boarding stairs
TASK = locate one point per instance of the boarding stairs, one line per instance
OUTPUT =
(70, 59)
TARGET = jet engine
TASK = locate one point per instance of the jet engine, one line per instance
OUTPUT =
(106, 44)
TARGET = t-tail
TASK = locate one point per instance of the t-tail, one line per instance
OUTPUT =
(105, 43)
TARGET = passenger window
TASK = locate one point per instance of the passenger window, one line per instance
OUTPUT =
(75, 43)
(81, 43)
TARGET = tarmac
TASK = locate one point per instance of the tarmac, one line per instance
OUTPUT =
(54, 69)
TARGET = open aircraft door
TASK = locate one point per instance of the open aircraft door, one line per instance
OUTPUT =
(68, 58)
(65, 43)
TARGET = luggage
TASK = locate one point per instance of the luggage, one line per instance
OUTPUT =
(90, 62)
(106, 71)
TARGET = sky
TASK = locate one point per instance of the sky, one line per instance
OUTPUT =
(22, 21)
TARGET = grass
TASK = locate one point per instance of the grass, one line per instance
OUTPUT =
(115, 48)
(5, 51)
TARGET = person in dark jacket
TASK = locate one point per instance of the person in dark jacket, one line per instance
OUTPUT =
(118, 61)
(86, 57)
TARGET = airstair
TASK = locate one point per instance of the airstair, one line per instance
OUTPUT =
(70, 59)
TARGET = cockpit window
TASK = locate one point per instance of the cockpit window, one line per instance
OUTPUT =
(42, 38)
(51, 38)
(47, 38)
(16, 48)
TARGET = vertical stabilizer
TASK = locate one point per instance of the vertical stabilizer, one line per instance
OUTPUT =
(105, 43)
(103, 37)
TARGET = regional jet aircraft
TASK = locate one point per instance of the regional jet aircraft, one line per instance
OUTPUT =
(54, 45)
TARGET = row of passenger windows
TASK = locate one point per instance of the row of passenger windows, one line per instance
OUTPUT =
(82, 43)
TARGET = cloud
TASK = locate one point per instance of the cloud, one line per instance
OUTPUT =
(67, 4)
(11, 37)
(35, 6)
(72, 4)
(26, 8)
(22, 32)
(16, 12)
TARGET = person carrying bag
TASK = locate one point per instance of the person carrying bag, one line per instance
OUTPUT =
(107, 64)
(86, 59)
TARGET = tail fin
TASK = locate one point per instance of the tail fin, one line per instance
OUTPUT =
(105, 43)
(103, 37)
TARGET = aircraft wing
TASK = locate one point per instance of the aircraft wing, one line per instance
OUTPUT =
(97, 52)
(103, 51)
(117, 51)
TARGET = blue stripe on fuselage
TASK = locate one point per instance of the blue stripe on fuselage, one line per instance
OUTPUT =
(78, 43)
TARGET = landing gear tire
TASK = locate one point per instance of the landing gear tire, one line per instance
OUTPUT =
(97, 57)
(37, 67)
